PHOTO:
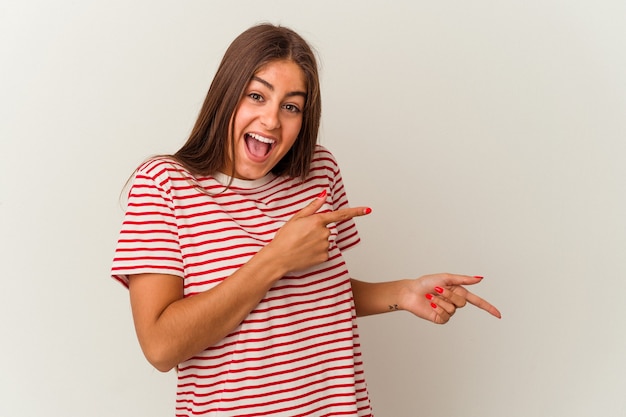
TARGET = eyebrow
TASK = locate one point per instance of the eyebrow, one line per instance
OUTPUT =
(271, 87)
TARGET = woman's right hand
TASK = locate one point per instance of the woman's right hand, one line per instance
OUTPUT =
(303, 241)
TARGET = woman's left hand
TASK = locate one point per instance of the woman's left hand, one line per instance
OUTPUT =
(436, 297)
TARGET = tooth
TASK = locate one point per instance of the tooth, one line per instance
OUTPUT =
(261, 138)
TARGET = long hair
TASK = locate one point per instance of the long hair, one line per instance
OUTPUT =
(204, 153)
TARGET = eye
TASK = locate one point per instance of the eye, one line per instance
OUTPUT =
(255, 96)
(292, 108)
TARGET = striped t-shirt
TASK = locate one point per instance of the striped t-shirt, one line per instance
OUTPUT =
(298, 352)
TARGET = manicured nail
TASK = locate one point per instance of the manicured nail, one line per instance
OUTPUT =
(439, 290)
(477, 276)
(367, 210)
(430, 296)
(433, 305)
(322, 195)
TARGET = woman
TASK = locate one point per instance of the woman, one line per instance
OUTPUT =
(232, 250)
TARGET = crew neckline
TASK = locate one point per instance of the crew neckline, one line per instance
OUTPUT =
(224, 179)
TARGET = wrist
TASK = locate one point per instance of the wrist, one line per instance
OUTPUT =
(269, 264)
(404, 293)
(380, 297)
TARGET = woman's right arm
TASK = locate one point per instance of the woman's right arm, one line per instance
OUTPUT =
(172, 329)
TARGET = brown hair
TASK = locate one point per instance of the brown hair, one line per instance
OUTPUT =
(204, 153)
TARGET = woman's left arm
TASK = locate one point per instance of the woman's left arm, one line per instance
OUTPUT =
(432, 297)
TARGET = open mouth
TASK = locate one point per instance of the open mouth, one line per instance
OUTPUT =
(257, 145)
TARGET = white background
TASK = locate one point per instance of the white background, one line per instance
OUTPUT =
(489, 138)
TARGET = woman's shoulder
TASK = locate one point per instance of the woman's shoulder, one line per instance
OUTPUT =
(323, 156)
(162, 165)
(163, 172)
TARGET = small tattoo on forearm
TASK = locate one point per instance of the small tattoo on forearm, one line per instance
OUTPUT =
(393, 307)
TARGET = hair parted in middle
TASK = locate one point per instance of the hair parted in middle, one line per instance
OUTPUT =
(204, 153)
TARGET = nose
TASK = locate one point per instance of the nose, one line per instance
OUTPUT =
(269, 118)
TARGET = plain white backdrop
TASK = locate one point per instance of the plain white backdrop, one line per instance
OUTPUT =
(489, 137)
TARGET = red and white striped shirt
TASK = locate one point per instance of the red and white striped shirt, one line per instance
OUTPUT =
(298, 352)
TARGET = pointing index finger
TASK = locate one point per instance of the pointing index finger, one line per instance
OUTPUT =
(483, 304)
(344, 214)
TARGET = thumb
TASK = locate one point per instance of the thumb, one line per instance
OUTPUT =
(312, 207)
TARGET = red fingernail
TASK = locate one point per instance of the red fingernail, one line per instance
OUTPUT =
(479, 277)
(433, 305)
(430, 296)
(367, 210)
(322, 194)
(439, 290)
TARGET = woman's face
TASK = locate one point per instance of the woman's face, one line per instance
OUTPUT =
(267, 119)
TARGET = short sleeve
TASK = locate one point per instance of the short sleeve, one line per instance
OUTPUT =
(348, 235)
(148, 241)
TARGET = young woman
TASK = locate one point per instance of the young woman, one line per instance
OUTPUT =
(232, 250)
